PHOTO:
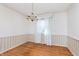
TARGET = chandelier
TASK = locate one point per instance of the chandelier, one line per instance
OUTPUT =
(32, 16)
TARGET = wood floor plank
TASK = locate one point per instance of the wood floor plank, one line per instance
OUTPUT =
(34, 49)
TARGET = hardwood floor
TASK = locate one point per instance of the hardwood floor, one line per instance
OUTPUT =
(33, 49)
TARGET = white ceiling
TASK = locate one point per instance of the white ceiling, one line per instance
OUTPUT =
(39, 8)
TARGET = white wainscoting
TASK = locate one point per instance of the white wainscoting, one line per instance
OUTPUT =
(73, 46)
(60, 40)
(7, 43)
(66, 41)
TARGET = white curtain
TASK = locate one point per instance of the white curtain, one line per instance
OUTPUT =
(43, 27)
